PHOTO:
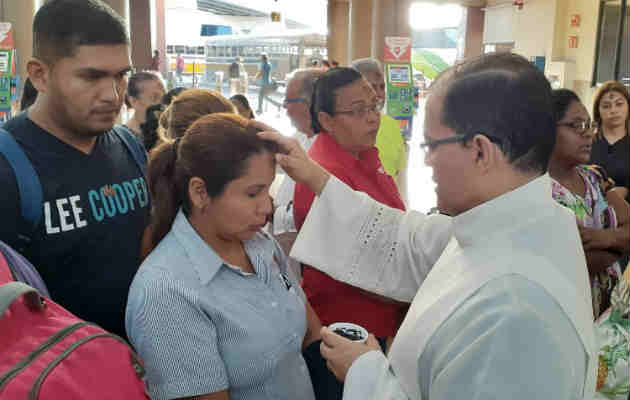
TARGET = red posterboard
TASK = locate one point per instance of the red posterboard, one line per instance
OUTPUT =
(6, 36)
(397, 49)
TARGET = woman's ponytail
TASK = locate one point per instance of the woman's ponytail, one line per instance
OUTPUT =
(163, 188)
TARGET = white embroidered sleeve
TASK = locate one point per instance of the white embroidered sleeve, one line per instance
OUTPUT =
(371, 378)
(357, 240)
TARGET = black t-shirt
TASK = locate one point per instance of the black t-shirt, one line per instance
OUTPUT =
(614, 158)
(95, 209)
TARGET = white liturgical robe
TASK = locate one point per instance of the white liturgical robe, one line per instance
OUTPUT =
(501, 302)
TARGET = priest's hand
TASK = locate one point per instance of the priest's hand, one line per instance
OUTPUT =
(340, 352)
(297, 164)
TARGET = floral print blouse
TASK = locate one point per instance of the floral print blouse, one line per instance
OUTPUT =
(592, 211)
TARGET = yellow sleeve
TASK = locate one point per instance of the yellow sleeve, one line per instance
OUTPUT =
(390, 144)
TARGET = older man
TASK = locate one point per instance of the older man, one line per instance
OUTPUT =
(501, 301)
(297, 102)
(392, 149)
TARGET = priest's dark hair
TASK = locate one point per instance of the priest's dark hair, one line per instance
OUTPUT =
(325, 92)
(508, 99)
(60, 26)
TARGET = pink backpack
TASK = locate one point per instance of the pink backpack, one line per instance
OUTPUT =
(46, 353)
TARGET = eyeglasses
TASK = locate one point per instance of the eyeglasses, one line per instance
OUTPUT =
(580, 127)
(430, 145)
(293, 100)
(361, 110)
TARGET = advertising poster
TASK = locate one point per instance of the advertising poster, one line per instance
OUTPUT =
(397, 49)
(5, 62)
(399, 80)
(7, 70)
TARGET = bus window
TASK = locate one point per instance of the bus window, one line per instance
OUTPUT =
(201, 50)
(190, 50)
(169, 49)
(180, 49)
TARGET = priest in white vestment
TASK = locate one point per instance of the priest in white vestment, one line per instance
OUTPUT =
(501, 304)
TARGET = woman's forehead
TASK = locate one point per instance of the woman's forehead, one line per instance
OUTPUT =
(613, 95)
(576, 109)
(356, 91)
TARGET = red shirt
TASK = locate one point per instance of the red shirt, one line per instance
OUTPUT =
(334, 301)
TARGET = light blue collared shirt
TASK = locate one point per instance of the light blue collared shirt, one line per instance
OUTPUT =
(204, 327)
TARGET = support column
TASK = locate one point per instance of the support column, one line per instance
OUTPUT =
(474, 32)
(20, 14)
(141, 25)
(338, 30)
(160, 30)
(361, 15)
(390, 18)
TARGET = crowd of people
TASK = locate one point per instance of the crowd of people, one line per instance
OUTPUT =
(164, 231)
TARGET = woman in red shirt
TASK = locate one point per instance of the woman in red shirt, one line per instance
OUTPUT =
(346, 115)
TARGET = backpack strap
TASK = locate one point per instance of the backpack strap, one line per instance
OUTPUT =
(21, 269)
(134, 147)
(29, 185)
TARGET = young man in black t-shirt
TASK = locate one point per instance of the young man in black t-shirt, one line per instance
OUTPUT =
(95, 197)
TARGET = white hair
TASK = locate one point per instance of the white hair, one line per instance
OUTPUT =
(306, 78)
(367, 66)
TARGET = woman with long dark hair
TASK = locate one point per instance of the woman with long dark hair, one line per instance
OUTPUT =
(345, 113)
(611, 149)
(174, 121)
(214, 310)
(601, 212)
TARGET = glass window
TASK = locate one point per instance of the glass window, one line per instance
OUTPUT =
(180, 49)
(169, 49)
(611, 61)
(201, 50)
(190, 50)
